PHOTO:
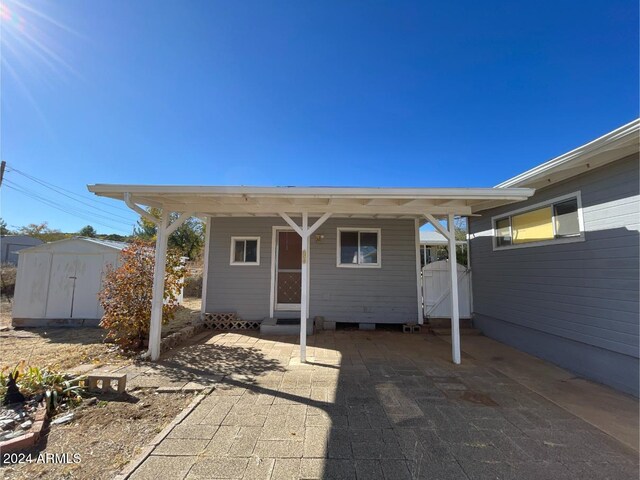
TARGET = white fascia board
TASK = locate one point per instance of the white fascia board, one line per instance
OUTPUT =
(118, 191)
(619, 137)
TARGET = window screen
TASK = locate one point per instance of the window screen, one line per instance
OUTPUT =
(359, 248)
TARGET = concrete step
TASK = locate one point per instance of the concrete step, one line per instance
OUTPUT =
(270, 326)
(446, 332)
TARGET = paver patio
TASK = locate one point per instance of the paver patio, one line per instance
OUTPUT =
(369, 405)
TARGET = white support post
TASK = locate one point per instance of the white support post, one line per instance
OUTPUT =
(455, 314)
(419, 274)
(205, 269)
(305, 233)
(157, 300)
(304, 300)
(163, 230)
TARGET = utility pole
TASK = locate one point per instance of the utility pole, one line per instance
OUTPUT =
(3, 164)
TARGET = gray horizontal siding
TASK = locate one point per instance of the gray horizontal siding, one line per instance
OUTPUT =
(583, 292)
(240, 289)
(378, 295)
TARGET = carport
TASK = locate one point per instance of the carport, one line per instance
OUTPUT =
(305, 209)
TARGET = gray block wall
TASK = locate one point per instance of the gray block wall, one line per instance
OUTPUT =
(371, 295)
(574, 304)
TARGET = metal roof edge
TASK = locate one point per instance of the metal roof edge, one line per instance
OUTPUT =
(615, 136)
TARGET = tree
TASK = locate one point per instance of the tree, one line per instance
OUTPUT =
(127, 292)
(188, 239)
(146, 229)
(42, 231)
(88, 231)
(3, 228)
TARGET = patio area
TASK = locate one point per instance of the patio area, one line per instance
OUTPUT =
(370, 405)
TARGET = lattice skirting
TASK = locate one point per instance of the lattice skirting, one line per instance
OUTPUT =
(227, 321)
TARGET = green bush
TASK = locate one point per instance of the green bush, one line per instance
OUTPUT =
(7, 279)
(193, 286)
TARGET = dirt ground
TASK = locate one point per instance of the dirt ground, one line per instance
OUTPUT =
(70, 347)
(105, 437)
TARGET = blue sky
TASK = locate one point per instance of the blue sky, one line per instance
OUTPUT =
(301, 93)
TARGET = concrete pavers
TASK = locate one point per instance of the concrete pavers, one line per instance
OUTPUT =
(370, 405)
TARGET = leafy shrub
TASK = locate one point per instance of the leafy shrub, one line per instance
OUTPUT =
(7, 279)
(193, 286)
(55, 387)
(127, 291)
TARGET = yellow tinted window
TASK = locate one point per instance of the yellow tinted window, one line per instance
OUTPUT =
(534, 226)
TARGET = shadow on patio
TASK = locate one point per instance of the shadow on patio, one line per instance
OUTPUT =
(369, 405)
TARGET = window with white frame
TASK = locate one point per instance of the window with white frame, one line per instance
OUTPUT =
(245, 251)
(555, 221)
(359, 247)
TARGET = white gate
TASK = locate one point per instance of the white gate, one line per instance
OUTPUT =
(436, 290)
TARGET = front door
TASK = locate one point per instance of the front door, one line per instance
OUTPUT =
(288, 270)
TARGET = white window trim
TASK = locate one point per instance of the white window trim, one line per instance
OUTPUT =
(547, 203)
(359, 265)
(232, 253)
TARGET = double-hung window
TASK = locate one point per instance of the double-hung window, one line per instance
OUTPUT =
(555, 221)
(359, 247)
(245, 251)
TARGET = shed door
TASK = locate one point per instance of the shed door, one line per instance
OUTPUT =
(88, 280)
(288, 271)
(61, 286)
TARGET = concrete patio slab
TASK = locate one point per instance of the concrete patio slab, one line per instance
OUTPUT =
(376, 404)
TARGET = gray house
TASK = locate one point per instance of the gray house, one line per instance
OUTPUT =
(557, 275)
(281, 254)
(554, 274)
(10, 245)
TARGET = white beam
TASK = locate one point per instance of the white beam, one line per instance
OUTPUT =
(350, 208)
(178, 221)
(437, 225)
(318, 223)
(455, 314)
(140, 211)
(291, 223)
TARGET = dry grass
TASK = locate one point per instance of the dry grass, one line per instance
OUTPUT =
(108, 435)
(70, 347)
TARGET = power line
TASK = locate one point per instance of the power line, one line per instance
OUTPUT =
(120, 229)
(59, 190)
(52, 204)
(69, 207)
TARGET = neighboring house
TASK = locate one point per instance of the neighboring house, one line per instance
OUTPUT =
(433, 246)
(57, 283)
(558, 275)
(10, 245)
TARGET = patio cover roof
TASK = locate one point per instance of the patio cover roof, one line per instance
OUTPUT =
(340, 201)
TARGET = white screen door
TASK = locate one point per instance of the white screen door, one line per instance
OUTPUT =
(288, 270)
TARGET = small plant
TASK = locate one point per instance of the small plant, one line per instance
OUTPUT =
(127, 292)
(33, 382)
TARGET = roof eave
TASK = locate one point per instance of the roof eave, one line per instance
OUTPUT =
(623, 141)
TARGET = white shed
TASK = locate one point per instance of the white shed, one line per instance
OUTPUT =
(57, 283)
